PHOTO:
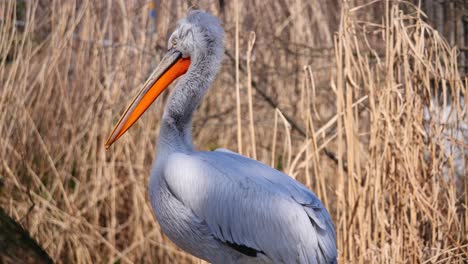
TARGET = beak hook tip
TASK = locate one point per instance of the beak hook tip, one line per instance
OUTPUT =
(108, 144)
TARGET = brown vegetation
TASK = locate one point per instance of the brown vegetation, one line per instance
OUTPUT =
(372, 83)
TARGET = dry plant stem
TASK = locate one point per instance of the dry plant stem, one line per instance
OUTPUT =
(238, 102)
(273, 142)
(249, 94)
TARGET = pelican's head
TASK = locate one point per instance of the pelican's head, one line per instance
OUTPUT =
(197, 40)
(198, 35)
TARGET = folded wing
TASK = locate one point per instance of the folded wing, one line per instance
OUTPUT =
(249, 205)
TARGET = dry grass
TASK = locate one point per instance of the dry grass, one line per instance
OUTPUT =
(383, 93)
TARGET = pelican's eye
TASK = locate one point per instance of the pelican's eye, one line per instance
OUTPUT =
(174, 42)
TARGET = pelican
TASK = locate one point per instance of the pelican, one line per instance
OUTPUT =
(219, 205)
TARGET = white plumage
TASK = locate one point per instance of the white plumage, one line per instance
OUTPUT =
(221, 206)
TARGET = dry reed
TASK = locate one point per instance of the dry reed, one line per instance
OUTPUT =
(383, 92)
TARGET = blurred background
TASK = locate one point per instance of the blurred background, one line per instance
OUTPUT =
(362, 101)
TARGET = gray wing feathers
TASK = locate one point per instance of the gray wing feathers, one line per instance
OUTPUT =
(248, 203)
(311, 204)
(326, 233)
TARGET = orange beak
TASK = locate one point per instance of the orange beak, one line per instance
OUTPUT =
(171, 67)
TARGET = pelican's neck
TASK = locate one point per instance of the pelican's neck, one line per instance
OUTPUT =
(176, 127)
